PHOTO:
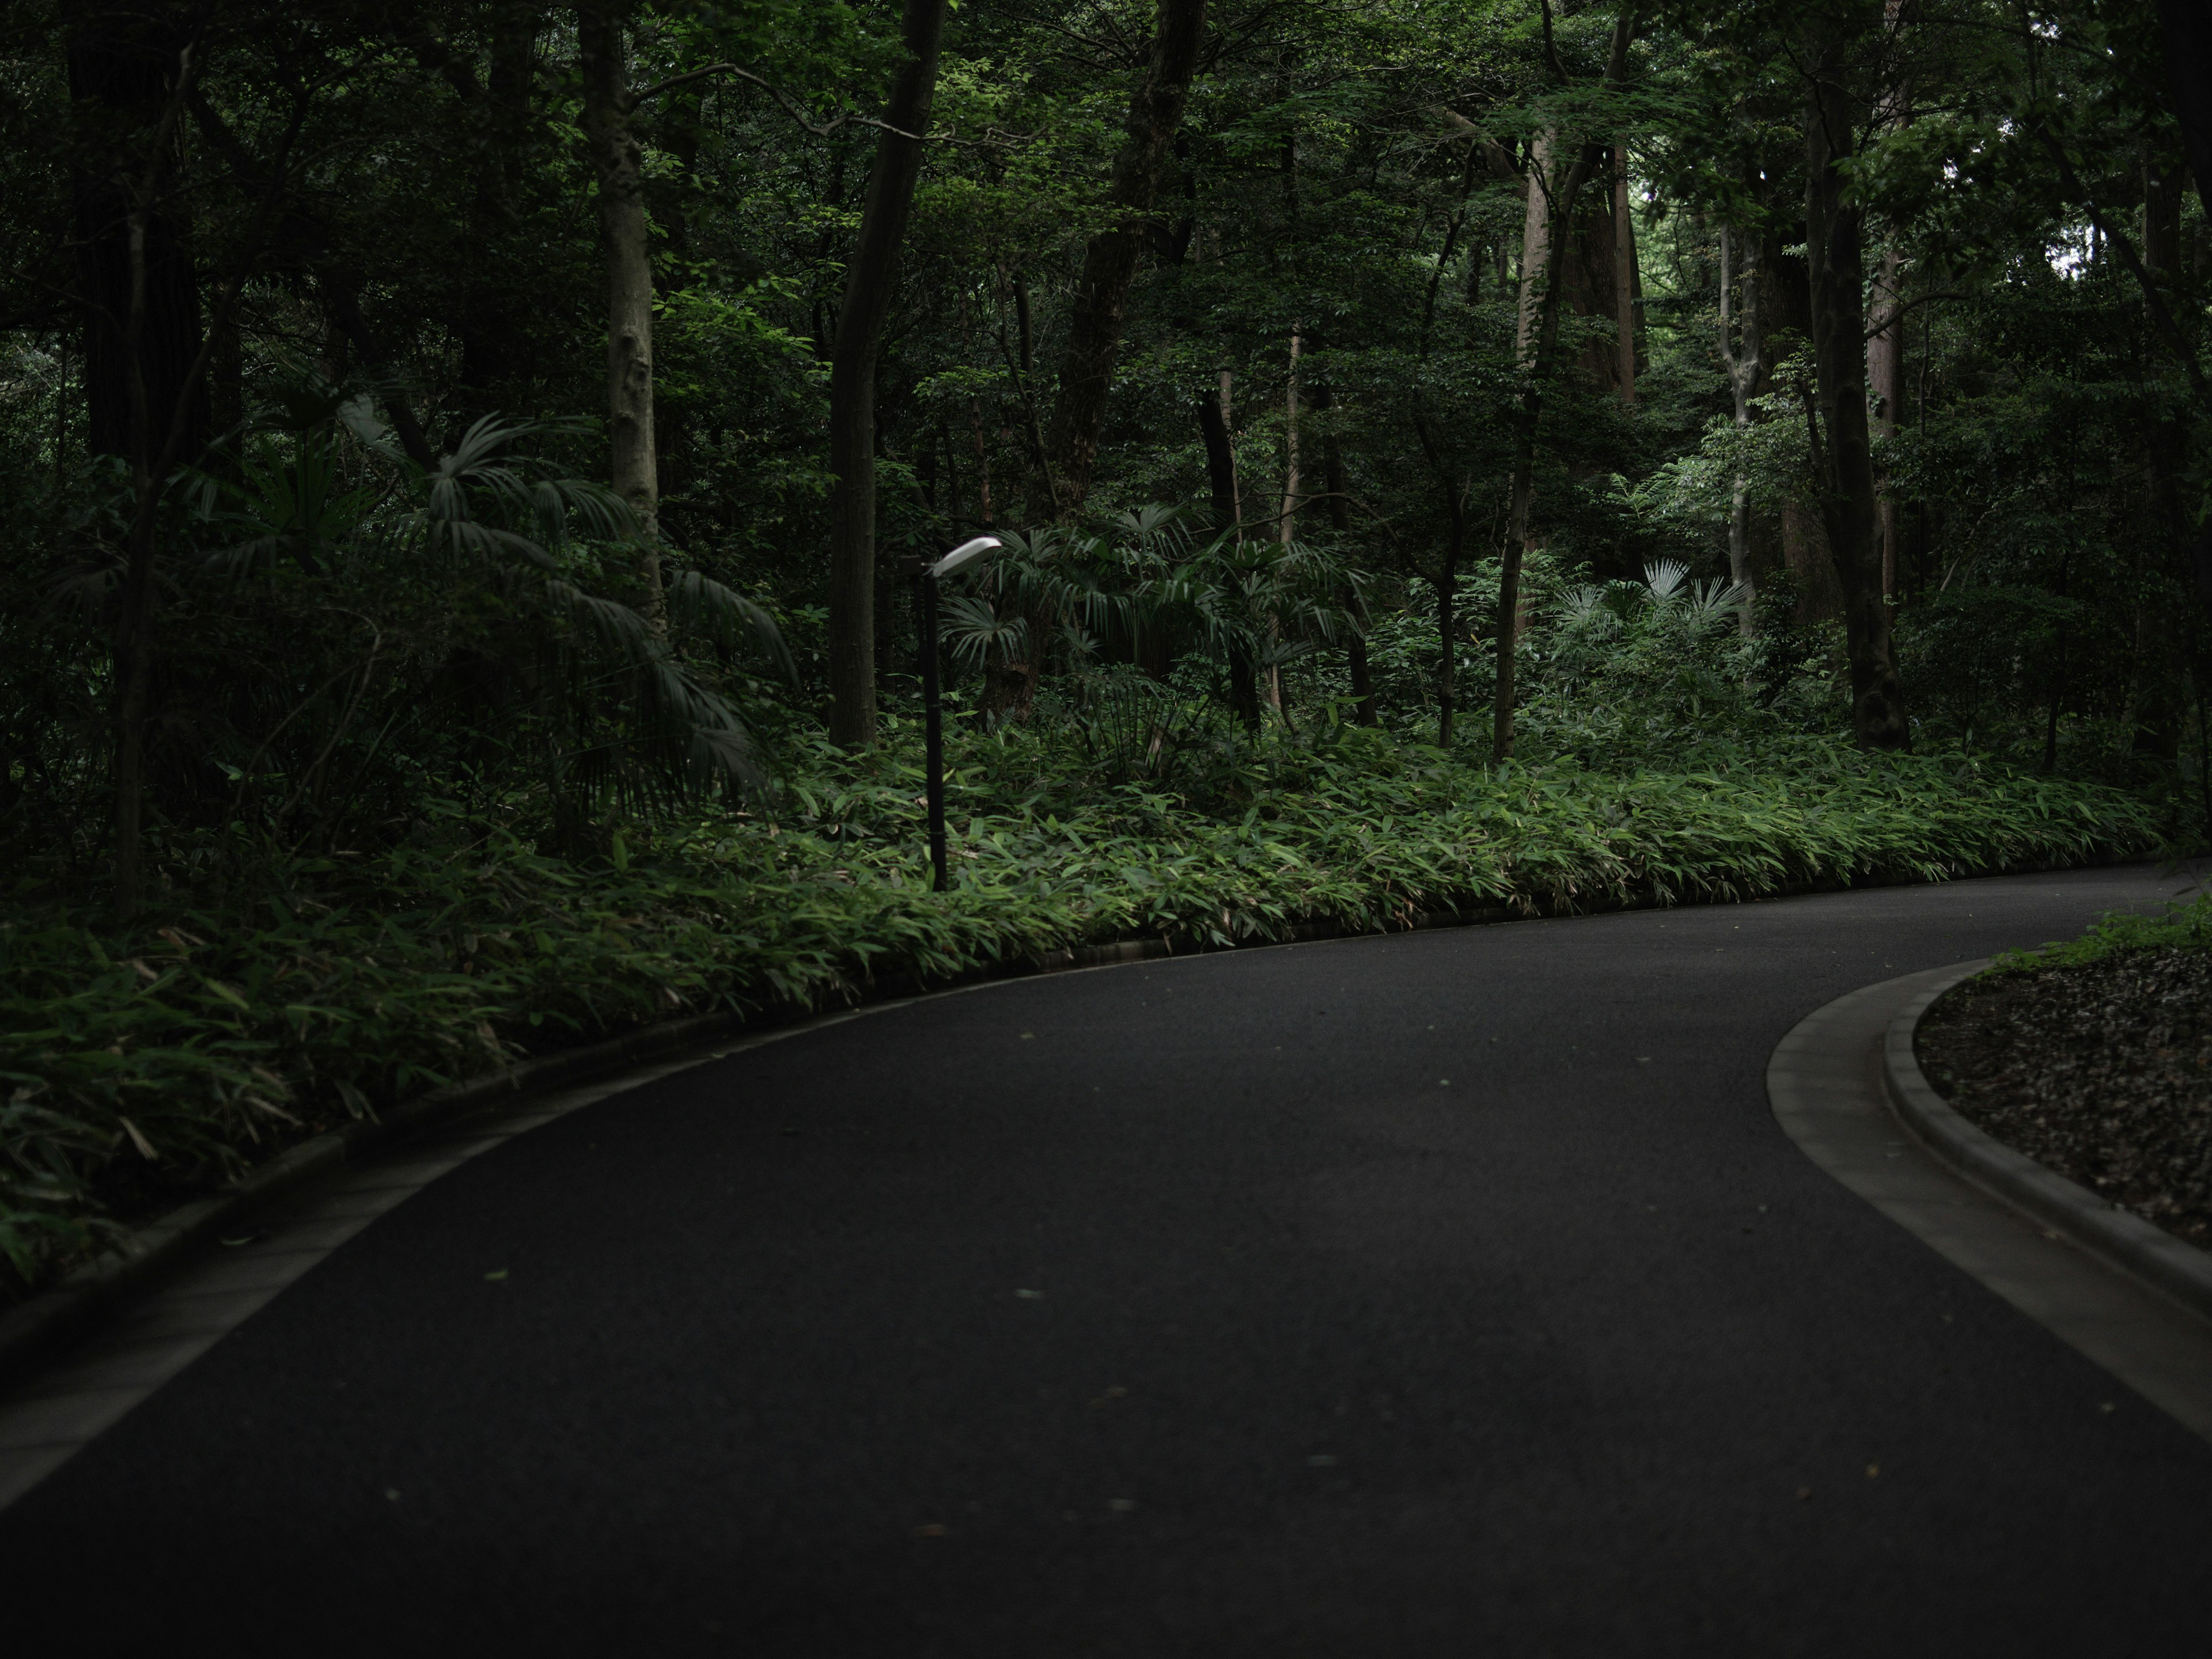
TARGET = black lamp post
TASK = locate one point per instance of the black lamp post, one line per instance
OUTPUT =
(926, 577)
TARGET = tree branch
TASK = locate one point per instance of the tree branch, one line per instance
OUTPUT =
(2161, 316)
(1904, 305)
(790, 104)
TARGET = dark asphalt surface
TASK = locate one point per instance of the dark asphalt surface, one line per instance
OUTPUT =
(1446, 1293)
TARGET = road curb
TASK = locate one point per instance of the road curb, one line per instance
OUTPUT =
(2115, 1234)
(33, 1330)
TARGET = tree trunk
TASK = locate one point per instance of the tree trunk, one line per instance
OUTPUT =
(1538, 344)
(1447, 613)
(150, 458)
(1213, 424)
(1886, 381)
(1024, 332)
(126, 68)
(2186, 33)
(1740, 347)
(1363, 711)
(1536, 262)
(618, 162)
(1110, 263)
(494, 320)
(1624, 273)
(1290, 443)
(1842, 459)
(2161, 227)
(870, 281)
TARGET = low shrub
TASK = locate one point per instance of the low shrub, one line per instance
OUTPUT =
(142, 1065)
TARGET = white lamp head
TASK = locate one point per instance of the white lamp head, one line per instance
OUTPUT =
(966, 553)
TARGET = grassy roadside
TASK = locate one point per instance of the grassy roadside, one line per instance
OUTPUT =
(139, 1067)
(2178, 928)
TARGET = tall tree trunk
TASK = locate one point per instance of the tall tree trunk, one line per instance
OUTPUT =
(138, 361)
(1624, 273)
(1537, 345)
(870, 281)
(2161, 228)
(1109, 264)
(1215, 425)
(2186, 33)
(618, 162)
(1447, 612)
(1214, 418)
(1843, 457)
(1740, 348)
(1024, 331)
(126, 66)
(1885, 345)
(1363, 710)
(1536, 261)
(1289, 525)
(494, 308)
(1886, 381)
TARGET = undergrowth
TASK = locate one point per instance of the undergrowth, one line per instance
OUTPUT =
(2178, 928)
(140, 1066)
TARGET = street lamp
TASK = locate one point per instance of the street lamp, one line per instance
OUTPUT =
(926, 578)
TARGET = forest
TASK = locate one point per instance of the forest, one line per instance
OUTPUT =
(468, 462)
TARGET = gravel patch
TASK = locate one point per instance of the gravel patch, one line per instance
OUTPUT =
(2100, 1071)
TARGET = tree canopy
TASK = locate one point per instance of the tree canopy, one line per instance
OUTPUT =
(405, 389)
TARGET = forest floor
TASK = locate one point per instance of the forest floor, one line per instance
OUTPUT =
(2100, 1071)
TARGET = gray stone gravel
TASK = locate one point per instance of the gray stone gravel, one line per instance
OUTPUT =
(2100, 1071)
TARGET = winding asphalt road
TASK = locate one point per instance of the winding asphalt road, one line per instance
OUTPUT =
(1446, 1293)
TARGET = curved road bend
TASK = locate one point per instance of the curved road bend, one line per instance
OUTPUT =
(1445, 1293)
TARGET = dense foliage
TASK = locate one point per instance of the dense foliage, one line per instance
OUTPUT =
(428, 585)
(146, 1061)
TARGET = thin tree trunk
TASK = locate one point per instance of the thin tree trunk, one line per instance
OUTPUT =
(1363, 711)
(1110, 263)
(1288, 528)
(1843, 456)
(134, 648)
(1624, 273)
(2058, 678)
(1290, 444)
(1447, 612)
(982, 463)
(1024, 334)
(1535, 245)
(121, 61)
(493, 318)
(1537, 346)
(1214, 424)
(869, 279)
(134, 644)
(618, 165)
(952, 478)
(1885, 345)
(1886, 381)
(1740, 344)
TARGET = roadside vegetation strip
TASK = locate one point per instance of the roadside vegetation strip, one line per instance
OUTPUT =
(142, 1068)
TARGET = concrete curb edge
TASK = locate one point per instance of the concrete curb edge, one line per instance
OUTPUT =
(2118, 1236)
(49, 1320)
